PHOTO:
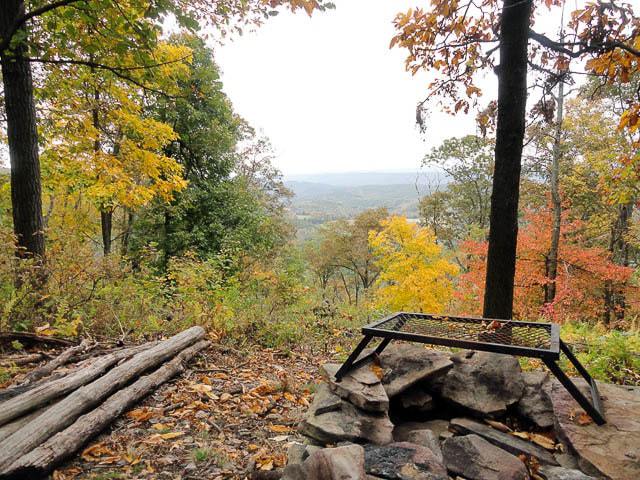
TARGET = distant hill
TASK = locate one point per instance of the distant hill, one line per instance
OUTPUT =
(359, 179)
(328, 202)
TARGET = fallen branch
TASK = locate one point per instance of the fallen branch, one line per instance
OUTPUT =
(32, 338)
(65, 412)
(62, 359)
(24, 359)
(42, 394)
(44, 458)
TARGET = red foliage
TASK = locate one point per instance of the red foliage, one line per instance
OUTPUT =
(582, 273)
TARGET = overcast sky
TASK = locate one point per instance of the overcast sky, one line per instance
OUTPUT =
(330, 94)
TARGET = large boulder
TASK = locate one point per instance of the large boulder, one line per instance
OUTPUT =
(612, 449)
(474, 458)
(535, 404)
(403, 461)
(484, 383)
(344, 423)
(406, 364)
(505, 441)
(341, 463)
(361, 387)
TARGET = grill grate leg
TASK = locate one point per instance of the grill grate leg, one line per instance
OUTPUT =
(594, 407)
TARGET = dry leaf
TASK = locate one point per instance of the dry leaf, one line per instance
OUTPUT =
(584, 419)
(498, 426)
(543, 441)
(279, 428)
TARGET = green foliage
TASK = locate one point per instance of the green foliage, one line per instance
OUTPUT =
(608, 355)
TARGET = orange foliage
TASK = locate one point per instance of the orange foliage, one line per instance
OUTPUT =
(582, 273)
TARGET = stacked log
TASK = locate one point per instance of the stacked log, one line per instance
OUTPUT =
(43, 425)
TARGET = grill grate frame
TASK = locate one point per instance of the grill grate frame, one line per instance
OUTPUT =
(530, 339)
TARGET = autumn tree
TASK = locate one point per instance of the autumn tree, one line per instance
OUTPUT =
(47, 32)
(414, 275)
(346, 252)
(601, 181)
(457, 40)
(99, 138)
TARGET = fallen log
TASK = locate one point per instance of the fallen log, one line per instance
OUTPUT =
(62, 359)
(32, 338)
(44, 392)
(47, 456)
(67, 410)
(14, 391)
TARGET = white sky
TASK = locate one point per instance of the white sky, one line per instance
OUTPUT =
(330, 94)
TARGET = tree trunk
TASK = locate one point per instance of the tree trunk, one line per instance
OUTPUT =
(556, 202)
(106, 222)
(512, 99)
(614, 297)
(22, 136)
(44, 458)
(67, 411)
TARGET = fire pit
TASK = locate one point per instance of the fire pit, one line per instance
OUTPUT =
(525, 339)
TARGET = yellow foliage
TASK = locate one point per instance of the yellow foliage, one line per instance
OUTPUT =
(414, 274)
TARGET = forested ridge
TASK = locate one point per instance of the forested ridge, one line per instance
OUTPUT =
(137, 203)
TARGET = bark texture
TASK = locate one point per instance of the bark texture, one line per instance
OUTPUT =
(22, 136)
(512, 99)
(44, 458)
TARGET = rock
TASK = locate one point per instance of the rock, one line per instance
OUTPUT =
(502, 440)
(295, 471)
(485, 383)
(403, 461)
(560, 473)
(535, 404)
(474, 458)
(296, 453)
(417, 400)
(361, 387)
(612, 449)
(406, 364)
(347, 423)
(438, 427)
(324, 403)
(566, 460)
(340, 463)
(424, 438)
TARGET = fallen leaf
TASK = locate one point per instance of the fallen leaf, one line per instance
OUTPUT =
(279, 428)
(584, 419)
(498, 426)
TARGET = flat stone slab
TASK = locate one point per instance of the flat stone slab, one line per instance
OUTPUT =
(406, 364)
(403, 461)
(560, 473)
(485, 383)
(361, 386)
(612, 449)
(346, 423)
(535, 404)
(474, 458)
(438, 427)
(502, 440)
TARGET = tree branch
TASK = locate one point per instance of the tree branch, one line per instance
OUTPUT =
(4, 44)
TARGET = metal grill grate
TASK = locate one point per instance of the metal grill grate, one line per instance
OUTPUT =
(507, 333)
(465, 332)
